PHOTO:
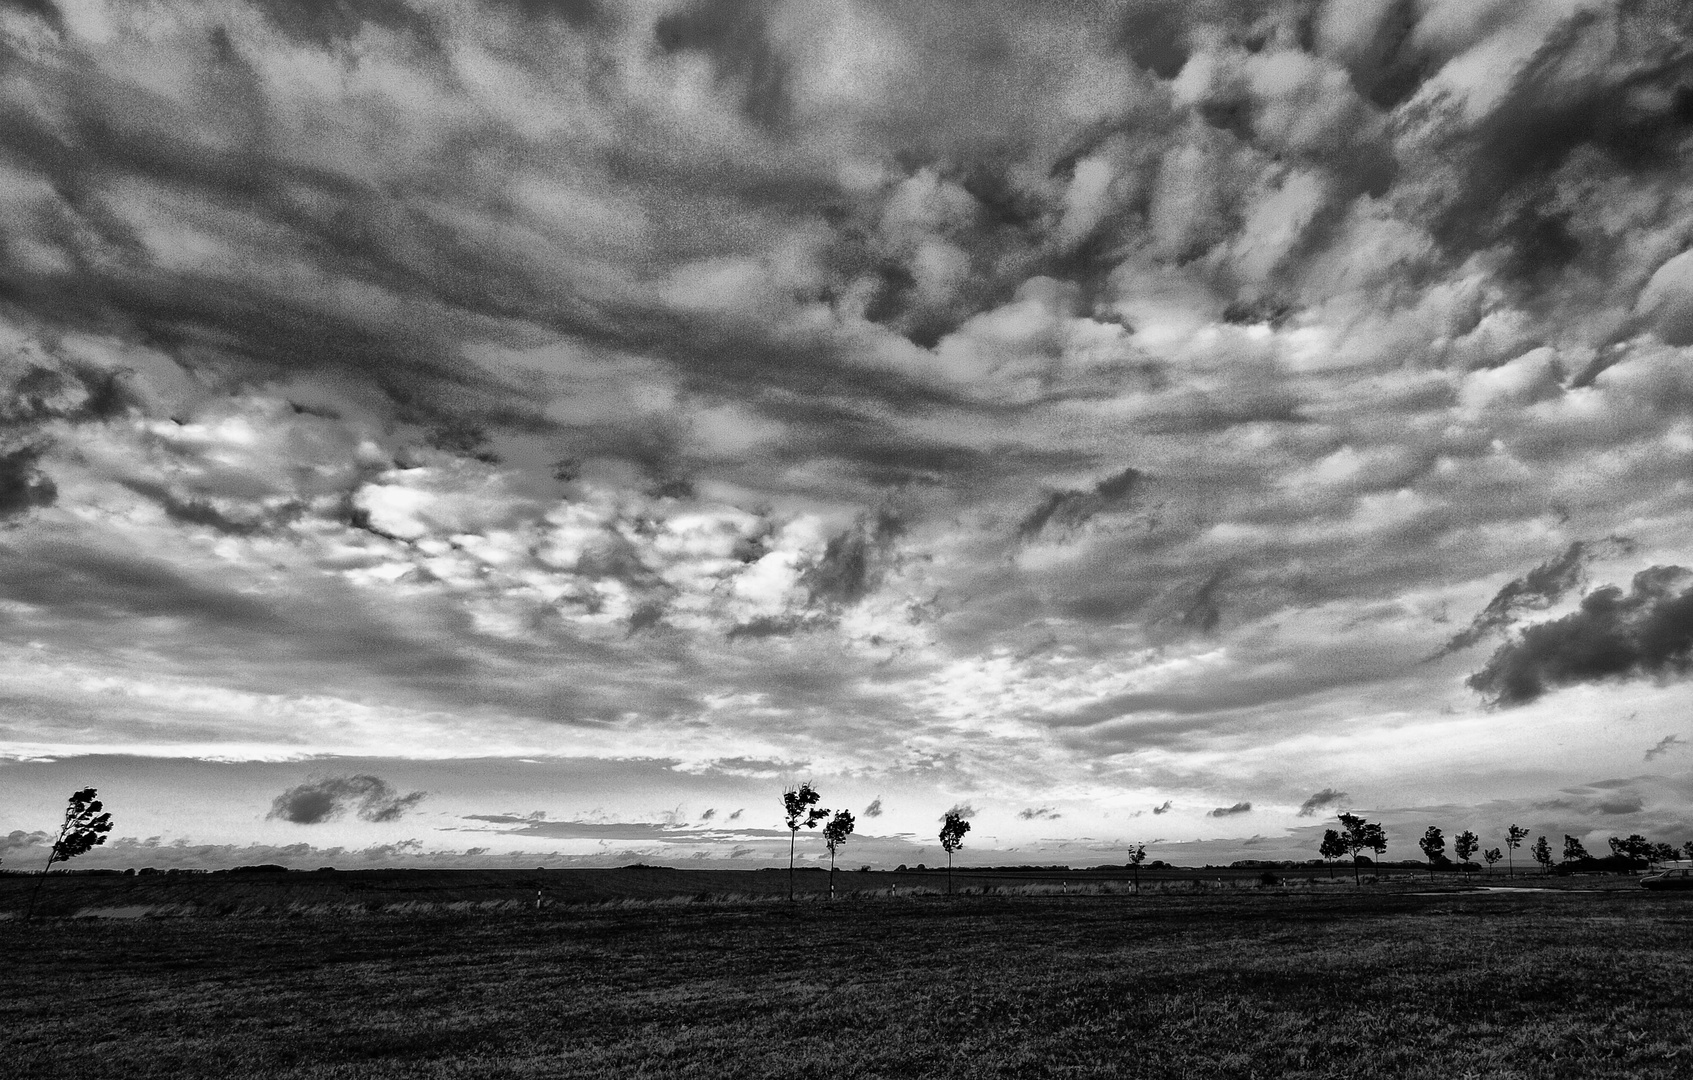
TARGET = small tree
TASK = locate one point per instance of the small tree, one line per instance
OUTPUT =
(1136, 857)
(84, 827)
(1542, 852)
(1687, 850)
(1433, 844)
(1573, 849)
(953, 828)
(1663, 853)
(1491, 856)
(1332, 847)
(1513, 840)
(1358, 835)
(800, 803)
(834, 835)
(1466, 845)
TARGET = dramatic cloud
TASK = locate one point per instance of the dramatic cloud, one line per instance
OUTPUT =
(1230, 811)
(1645, 632)
(1321, 800)
(370, 797)
(1039, 403)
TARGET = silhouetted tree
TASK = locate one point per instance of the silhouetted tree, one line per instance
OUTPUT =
(1513, 840)
(1433, 844)
(1357, 835)
(953, 828)
(1466, 845)
(1332, 847)
(834, 835)
(84, 827)
(1687, 850)
(1635, 848)
(1663, 853)
(1542, 852)
(1573, 849)
(800, 803)
(1136, 857)
(1491, 856)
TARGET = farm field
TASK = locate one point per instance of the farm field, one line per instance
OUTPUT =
(1594, 980)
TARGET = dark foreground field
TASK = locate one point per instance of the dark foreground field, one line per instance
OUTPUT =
(1228, 983)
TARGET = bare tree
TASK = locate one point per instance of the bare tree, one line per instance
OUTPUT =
(1433, 844)
(953, 828)
(84, 827)
(1542, 852)
(1491, 856)
(800, 803)
(1466, 845)
(1513, 840)
(1332, 847)
(1136, 857)
(834, 835)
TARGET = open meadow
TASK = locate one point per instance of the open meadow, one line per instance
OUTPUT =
(1199, 979)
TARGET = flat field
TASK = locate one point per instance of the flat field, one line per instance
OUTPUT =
(1384, 981)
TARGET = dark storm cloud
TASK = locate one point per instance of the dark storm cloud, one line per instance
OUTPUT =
(1645, 632)
(1320, 800)
(1664, 746)
(370, 797)
(1538, 589)
(1071, 509)
(22, 485)
(1230, 811)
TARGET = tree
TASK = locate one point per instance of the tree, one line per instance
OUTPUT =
(1513, 840)
(1542, 852)
(953, 828)
(802, 809)
(1332, 847)
(1433, 844)
(1491, 856)
(1663, 853)
(84, 827)
(1573, 849)
(1687, 850)
(1136, 857)
(1466, 846)
(1358, 835)
(834, 835)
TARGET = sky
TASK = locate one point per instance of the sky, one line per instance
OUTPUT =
(537, 432)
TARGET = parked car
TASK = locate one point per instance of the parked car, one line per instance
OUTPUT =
(1668, 879)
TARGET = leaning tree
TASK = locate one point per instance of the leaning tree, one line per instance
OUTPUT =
(953, 828)
(83, 828)
(800, 803)
(1514, 838)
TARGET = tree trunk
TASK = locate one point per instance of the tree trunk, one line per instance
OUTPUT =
(42, 880)
(949, 873)
(831, 874)
(792, 833)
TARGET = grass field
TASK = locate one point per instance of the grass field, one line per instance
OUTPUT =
(1592, 981)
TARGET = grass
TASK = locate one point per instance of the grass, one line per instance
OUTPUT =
(1219, 983)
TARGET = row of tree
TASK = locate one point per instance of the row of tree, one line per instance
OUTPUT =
(1357, 835)
(799, 805)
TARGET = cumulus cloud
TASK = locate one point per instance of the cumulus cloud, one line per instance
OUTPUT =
(1645, 632)
(370, 797)
(1039, 813)
(1164, 808)
(1320, 800)
(1230, 811)
(874, 810)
